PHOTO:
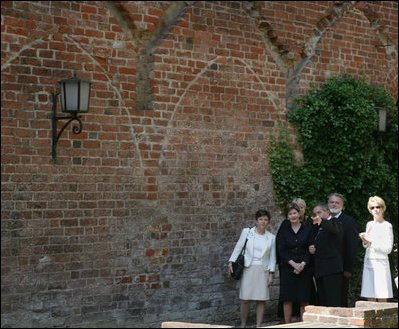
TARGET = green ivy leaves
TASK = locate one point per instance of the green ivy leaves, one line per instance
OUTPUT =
(342, 147)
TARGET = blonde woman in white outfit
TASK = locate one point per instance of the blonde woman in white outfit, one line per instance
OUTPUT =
(378, 241)
(260, 264)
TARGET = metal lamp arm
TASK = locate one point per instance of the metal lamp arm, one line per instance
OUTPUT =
(75, 129)
(55, 118)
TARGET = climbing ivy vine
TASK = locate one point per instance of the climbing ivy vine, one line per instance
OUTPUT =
(343, 151)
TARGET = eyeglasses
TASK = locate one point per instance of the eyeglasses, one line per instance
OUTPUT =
(376, 207)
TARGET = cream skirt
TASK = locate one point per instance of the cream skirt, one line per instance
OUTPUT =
(253, 285)
(376, 280)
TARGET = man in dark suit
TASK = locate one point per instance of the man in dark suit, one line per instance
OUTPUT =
(350, 241)
(328, 261)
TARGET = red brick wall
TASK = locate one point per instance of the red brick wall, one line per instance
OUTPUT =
(363, 315)
(135, 222)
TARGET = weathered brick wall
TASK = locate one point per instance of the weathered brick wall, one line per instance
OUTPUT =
(135, 222)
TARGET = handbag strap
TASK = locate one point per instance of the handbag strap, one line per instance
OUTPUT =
(243, 248)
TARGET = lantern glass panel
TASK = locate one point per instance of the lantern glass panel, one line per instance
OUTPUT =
(382, 114)
(70, 97)
(84, 96)
(75, 95)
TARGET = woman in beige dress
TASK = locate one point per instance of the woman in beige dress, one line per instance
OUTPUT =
(260, 264)
(378, 241)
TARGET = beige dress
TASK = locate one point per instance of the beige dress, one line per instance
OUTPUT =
(376, 280)
(260, 260)
(255, 273)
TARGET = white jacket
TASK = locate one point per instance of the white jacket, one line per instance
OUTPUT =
(381, 237)
(268, 251)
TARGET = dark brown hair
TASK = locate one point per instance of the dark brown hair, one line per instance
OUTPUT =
(261, 213)
(291, 205)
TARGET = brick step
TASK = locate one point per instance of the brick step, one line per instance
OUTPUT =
(364, 314)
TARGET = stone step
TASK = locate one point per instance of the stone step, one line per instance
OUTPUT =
(174, 324)
(308, 324)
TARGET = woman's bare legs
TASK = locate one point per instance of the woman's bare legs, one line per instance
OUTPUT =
(244, 312)
(260, 309)
(287, 312)
(380, 300)
(302, 309)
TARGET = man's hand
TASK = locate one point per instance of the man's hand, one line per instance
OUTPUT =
(312, 249)
(347, 274)
(316, 220)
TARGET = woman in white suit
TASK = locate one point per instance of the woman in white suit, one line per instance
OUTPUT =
(378, 241)
(260, 264)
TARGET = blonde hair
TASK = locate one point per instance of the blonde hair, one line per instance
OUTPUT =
(300, 202)
(376, 199)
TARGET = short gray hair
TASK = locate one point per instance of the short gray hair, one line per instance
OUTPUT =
(337, 195)
(322, 205)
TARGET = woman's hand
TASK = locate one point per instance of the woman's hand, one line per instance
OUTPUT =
(270, 279)
(363, 236)
(230, 269)
(299, 267)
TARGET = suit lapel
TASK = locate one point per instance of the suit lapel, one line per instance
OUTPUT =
(250, 242)
(267, 238)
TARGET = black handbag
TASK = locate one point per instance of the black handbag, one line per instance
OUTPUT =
(238, 265)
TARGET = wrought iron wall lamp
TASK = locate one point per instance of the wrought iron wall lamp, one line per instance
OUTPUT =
(75, 98)
(382, 116)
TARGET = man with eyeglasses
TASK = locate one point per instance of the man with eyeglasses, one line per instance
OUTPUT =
(350, 241)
